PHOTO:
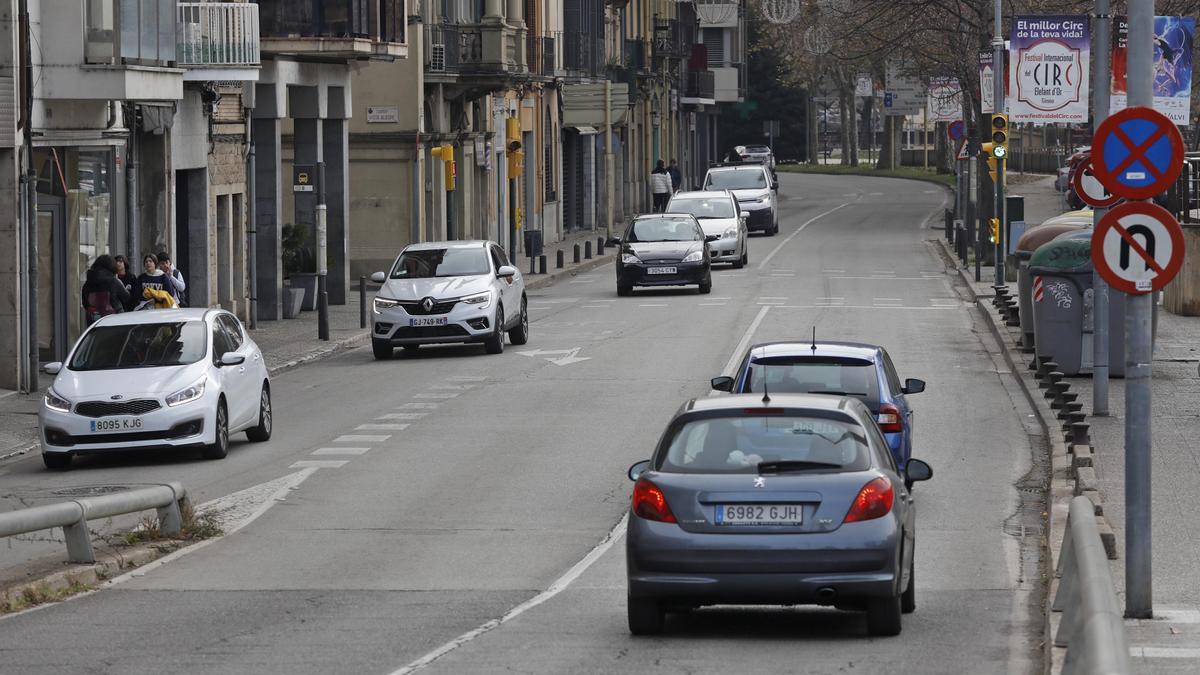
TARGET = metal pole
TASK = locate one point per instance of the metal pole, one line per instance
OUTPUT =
(252, 224)
(1139, 597)
(322, 254)
(925, 133)
(609, 188)
(29, 183)
(1100, 342)
(362, 302)
(998, 87)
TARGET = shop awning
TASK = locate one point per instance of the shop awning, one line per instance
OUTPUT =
(583, 104)
(583, 129)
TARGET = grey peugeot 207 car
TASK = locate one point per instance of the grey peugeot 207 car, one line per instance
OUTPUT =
(772, 500)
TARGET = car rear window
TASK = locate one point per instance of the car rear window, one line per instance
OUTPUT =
(738, 444)
(752, 179)
(840, 376)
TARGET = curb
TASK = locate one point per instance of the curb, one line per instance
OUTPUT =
(552, 277)
(1071, 471)
(865, 174)
(334, 347)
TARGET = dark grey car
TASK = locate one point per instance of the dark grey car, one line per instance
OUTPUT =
(791, 499)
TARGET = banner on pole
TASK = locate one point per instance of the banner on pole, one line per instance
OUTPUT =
(1050, 69)
(1173, 38)
(945, 100)
(904, 93)
(987, 82)
(863, 86)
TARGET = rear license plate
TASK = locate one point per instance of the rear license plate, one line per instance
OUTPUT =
(759, 514)
(661, 270)
(428, 321)
(116, 424)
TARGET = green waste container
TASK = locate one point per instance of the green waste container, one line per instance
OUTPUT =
(1026, 245)
(1063, 305)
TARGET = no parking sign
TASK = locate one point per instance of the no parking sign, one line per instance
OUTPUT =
(1137, 153)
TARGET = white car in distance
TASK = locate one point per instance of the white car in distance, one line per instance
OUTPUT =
(447, 292)
(719, 215)
(159, 379)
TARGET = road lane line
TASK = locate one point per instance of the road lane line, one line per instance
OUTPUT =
(744, 342)
(654, 305)
(466, 378)
(453, 387)
(360, 438)
(436, 396)
(554, 589)
(340, 451)
(595, 306)
(763, 265)
(419, 406)
(712, 304)
(320, 464)
(402, 416)
(381, 427)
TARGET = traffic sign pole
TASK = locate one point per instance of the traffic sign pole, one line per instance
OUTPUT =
(1100, 341)
(998, 87)
(1139, 597)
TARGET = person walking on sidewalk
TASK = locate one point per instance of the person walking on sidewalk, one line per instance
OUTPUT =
(660, 187)
(129, 280)
(102, 292)
(153, 282)
(676, 175)
(180, 290)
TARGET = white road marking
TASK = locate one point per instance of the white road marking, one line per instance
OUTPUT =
(402, 416)
(594, 306)
(655, 305)
(884, 277)
(419, 406)
(876, 307)
(763, 265)
(744, 342)
(381, 427)
(772, 297)
(582, 281)
(453, 387)
(713, 304)
(833, 271)
(361, 438)
(442, 396)
(944, 302)
(347, 450)
(466, 378)
(560, 584)
(320, 464)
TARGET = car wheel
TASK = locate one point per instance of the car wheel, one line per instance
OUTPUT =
(775, 229)
(645, 616)
(58, 461)
(624, 290)
(220, 447)
(262, 432)
(381, 349)
(883, 616)
(706, 285)
(740, 262)
(745, 257)
(520, 334)
(908, 601)
(411, 349)
(495, 342)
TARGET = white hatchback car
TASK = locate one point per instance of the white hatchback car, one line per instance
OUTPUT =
(170, 378)
(449, 291)
(719, 216)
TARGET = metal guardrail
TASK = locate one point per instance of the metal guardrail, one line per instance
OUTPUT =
(73, 516)
(1091, 628)
(218, 34)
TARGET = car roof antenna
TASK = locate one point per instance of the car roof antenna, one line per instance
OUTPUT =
(814, 342)
(766, 396)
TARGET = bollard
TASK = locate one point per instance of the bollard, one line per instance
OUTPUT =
(362, 302)
(576, 253)
(1073, 418)
(949, 225)
(532, 265)
(559, 259)
(587, 249)
(599, 246)
(541, 264)
(1079, 434)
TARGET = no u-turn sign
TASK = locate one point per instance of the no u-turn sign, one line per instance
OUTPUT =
(1138, 247)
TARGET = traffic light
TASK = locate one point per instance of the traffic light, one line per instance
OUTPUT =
(445, 152)
(989, 151)
(1000, 135)
(994, 235)
(516, 155)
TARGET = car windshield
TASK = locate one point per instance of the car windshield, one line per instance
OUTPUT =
(142, 345)
(758, 149)
(703, 207)
(740, 444)
(663, 229)
(736, 180)
(441, 262)
(814, 375)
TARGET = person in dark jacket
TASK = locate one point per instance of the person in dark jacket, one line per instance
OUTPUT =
(103, 293)
(164, 264)
(676, 175)
(154, 279)
(129, 280)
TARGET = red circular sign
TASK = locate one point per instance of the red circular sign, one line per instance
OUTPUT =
(1090, 189)
(1114, 153)
(1138, 247)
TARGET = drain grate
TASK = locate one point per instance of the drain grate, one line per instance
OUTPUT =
(90, 490)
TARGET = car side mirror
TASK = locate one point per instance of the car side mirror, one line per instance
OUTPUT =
(913, 386)
(775, 185)
(506, 272)
(232, 359)
(638, 469)
(613, 241)
(745, 215)
(916, 471)
(711, 237)
(52, 368)
(722, 383)
(379, 277)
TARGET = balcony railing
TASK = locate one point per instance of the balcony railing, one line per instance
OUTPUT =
(634, 55)
(549, 57)
(701, 84)
(381, 20)
(581, 55)
(129, 31)
(453, 48)
(218, 35)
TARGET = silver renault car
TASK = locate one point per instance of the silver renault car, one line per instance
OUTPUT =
(449, 291)
(772, 500)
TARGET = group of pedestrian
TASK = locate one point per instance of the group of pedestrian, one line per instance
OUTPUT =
(664, 181)
(112, 288)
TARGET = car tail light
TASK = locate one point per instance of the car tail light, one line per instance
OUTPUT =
(650, 503)
(873, 501)
(889, 418)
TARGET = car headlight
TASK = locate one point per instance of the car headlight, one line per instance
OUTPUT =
(56, 402)
(730, 232)
(694, 256)
(630, 259)
(187, 394)
(481, 299)
(380, 304)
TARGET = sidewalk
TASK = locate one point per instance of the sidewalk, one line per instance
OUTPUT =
(1171, 642)
(290, 343)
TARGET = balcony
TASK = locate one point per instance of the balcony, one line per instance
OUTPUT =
(701, 87)
(334, 30)
(218, 41)
(581, 55)
(634, 56)
(540, 52)
(461, 49)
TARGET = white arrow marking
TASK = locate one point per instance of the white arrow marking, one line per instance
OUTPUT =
(568, 356)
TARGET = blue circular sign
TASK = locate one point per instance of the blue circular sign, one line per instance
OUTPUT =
(1137, 153)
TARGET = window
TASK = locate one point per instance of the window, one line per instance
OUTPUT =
(548, 156)
(814, 375)
(233, 328)
(740, 444)
(889, 371)
(736, 179)
(221, 343)
(664, 229)
(440, 262)
(498, 257)
(704, 207)
(714, 43)
(144, 345)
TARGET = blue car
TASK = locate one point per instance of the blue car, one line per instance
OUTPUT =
(852, 369)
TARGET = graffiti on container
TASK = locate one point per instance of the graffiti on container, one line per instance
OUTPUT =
(1060, 291)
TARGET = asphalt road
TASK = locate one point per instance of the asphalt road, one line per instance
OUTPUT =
(404, 507)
